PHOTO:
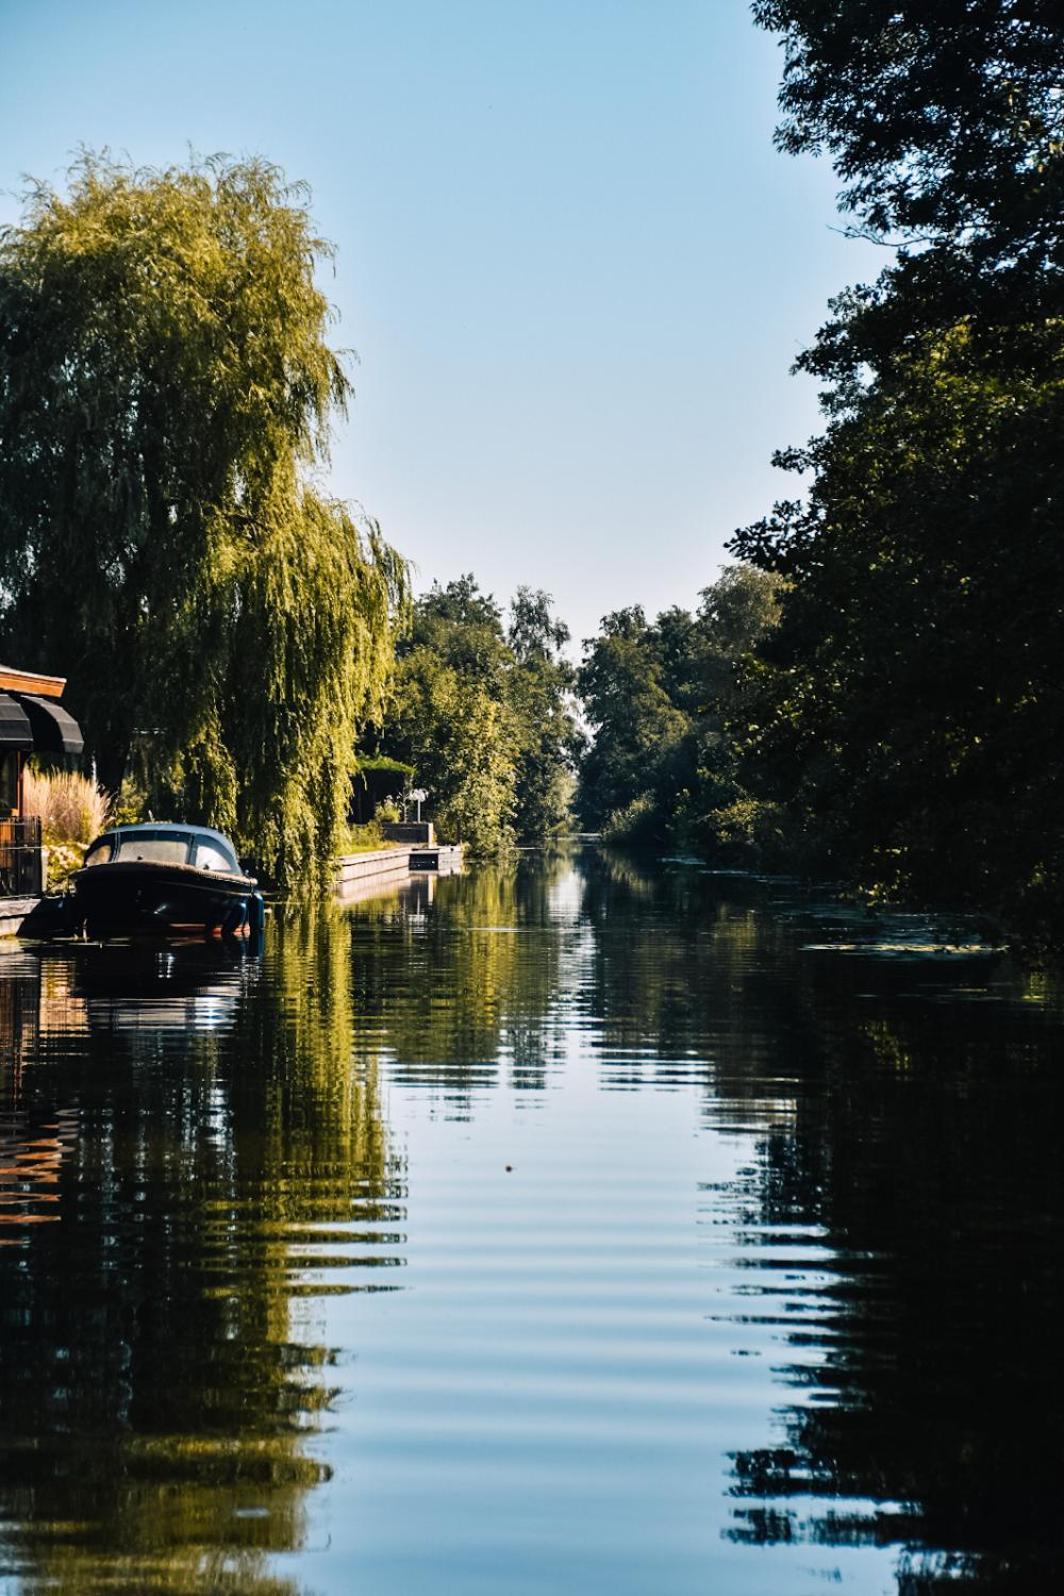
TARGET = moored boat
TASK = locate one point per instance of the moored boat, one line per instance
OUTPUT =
(165, 877)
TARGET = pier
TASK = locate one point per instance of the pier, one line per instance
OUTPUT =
(357, 873)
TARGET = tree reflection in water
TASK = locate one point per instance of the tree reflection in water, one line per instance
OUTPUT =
(207, 1134)
(908, 1106)
(925, 1152)
(216, 1154)
(464, 997)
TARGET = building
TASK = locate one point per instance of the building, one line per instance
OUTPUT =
(32, 721)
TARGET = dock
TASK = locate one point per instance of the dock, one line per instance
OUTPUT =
(357, 872)
(14, 912)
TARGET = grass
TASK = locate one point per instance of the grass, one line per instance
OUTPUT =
(73, 812)
(72, 808)
(364, 839)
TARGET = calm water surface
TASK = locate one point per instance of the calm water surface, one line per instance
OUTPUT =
(589, 1227)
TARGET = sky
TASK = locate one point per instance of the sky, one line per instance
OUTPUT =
(572, 267)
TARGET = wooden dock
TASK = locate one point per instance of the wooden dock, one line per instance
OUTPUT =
(357, 872)
(14, 912)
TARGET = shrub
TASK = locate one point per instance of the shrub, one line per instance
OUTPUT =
(363, 839)
(637, 822)
(72, 808)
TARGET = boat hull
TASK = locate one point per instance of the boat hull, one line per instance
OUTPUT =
(140, 895)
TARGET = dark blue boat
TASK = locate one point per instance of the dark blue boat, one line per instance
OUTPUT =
(164, 877)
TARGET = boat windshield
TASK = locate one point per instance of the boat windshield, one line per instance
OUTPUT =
(162, 848)
(212, 856)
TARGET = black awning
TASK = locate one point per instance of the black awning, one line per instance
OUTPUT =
(15, 729)
(54, 730)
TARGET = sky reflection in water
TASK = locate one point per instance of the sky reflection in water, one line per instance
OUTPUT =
(767, 1300)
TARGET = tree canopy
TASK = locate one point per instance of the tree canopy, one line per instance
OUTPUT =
(482, 712)
(904, 708)
(944, 117)
(945, 121)
(665, 701)
(166, 389)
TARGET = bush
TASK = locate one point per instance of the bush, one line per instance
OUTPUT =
(637, 822)
(63, 858)
(72, 808)
(130, 803)
(363, 839)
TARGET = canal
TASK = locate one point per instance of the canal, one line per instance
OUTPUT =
(586, 1226)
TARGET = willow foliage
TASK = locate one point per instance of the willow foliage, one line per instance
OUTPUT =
(166, 389)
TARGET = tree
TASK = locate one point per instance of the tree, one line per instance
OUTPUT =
(448, 714)
(482, 713)
(637, 729)
(165, 387)
(903, 707)
(716, 811)
(668, 708)
(462, 743)
(945, 120)
(914, 687)
(541, 688)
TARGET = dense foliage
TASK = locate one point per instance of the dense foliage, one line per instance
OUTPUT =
(482, 712)
(907, 706)
(944, 117)
(664, 700)
(165, 386)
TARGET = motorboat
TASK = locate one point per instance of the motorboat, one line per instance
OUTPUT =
(165, 877)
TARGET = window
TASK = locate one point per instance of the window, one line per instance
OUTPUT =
(157, 849)
(8, 784)
(211, 856)
(101, 854)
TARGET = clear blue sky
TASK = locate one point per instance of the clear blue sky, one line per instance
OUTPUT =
(572, 265)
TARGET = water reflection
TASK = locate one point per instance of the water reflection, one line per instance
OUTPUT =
(769, 1298)
(211, 1159)
(459, 986)
(901, 1222)
(924, 1363)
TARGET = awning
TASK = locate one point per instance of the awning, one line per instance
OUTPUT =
(54, 730)
(15, 729)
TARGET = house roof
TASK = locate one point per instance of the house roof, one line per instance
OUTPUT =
(12, 680)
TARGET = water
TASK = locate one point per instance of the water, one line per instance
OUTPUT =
(588, 1227)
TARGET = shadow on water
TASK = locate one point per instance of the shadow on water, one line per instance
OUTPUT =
(189, 1158)
(904, 1216)
(924, 1154)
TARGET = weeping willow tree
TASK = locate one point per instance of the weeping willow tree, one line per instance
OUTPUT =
(166, 391)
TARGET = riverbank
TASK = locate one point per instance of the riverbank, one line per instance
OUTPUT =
(356, 873)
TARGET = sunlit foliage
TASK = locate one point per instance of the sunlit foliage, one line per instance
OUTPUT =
(667, 705)
(165, 389)
(483, 714)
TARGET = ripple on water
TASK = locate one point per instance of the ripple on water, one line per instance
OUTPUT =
(296, 1293)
